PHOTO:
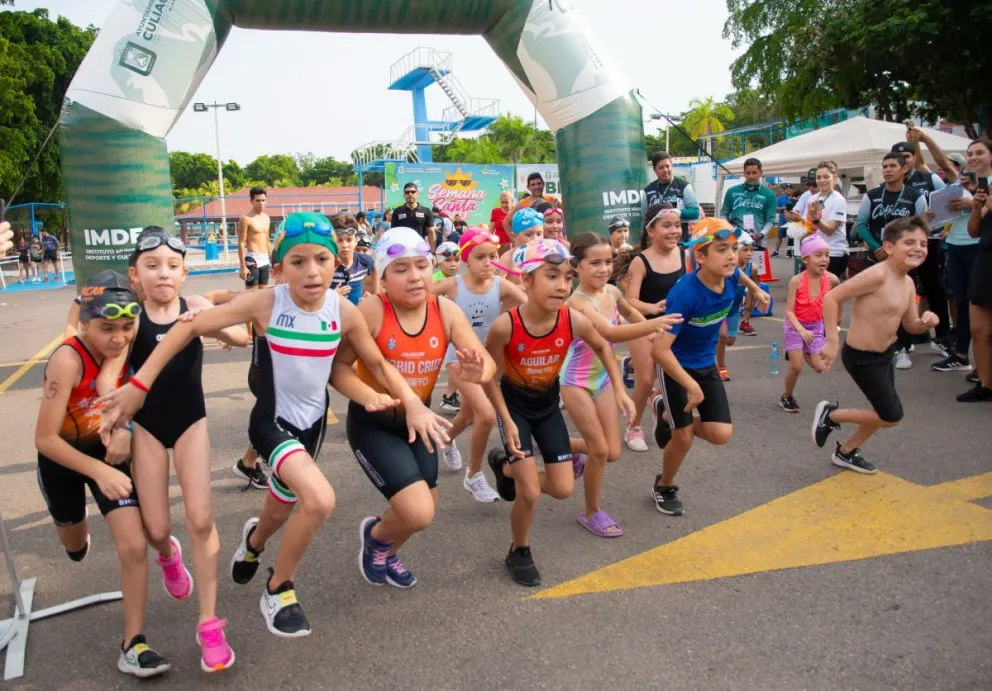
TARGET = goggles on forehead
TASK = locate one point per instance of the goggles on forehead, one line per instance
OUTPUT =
(553, 211)
(480, 239)
(113, 311)
(150, 242)
(722, 234)
(308, 227)
(394, 251)
(664, 212)
(555, 259)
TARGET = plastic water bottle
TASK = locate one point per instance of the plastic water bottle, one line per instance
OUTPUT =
(773, 359)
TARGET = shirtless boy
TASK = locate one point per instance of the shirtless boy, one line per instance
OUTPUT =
(253, 242)
(884, 297)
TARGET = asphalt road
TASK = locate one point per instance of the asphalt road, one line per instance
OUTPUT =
(915, 618)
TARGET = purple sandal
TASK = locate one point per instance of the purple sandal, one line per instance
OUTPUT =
(599, 524)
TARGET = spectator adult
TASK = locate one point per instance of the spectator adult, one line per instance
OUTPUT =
(415, 215)
(50, 244)
(961, 252)
(891, 200)
(384, 224)
(798, 210)
(363, 223)
(980, 285)
(827, 211)
(496, 218)
(535, 187)
(23, 260)
(443, 224)
(676, 191)
(750, 206)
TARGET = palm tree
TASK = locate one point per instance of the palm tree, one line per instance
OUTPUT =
(512, 136)
(706, 117)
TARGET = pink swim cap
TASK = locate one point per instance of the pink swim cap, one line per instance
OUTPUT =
(812, 244)
(473, 237)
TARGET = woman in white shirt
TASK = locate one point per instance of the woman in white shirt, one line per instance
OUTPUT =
(826, 209)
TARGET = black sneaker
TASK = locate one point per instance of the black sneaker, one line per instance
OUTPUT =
(976, 394)
(506, 488)
(520, 564)
(244, 563)
(283, 614)
(140, 660)
(666, 498)
(81, 553)
(853, 461)
(662, 428)
(788, 404)
(822, 424)
(255, 476)
(451, 404)
(972, 378)
(952, 363)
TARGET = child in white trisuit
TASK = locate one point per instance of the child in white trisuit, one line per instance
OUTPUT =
(482, 296)
(803, 335)
(884, 297)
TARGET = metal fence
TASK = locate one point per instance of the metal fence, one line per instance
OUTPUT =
(29, 219)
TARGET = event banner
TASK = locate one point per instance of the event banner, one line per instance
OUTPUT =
(472, 191)
(548, 171)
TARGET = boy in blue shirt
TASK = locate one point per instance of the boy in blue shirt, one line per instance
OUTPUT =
(354, 267)
(687, 355)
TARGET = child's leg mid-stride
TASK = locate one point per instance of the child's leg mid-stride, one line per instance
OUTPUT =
(676, 429)
(874, 373)
(477, 412)
(585, 414)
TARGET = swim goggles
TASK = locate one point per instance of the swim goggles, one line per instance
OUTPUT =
(113, 311)
(346, 231)
(663, 212)
(474, 239)
(722, 234)
(528, 258)
(151, 241)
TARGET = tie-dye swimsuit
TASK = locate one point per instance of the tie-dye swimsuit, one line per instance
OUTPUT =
(583, 368)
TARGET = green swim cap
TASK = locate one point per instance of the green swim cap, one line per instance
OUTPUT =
(304, 228)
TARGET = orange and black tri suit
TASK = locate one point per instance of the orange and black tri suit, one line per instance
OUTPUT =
(530, 386)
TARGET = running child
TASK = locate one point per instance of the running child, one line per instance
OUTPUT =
(304, 322)
(658, 264)
(72, 456)
(884, 297)
(687, 355)
(531, 342)
(355, 275)
(731, 325)
(412, 328)
(448, 263)
(584, 378)
(803, 330)
(482, 296)
(526, 225)
(174, 418)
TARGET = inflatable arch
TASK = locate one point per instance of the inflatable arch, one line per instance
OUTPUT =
(151, 55)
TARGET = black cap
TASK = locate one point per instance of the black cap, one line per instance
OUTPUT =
(618, 222)
(788, 184)
(102, 289)
(903, 148)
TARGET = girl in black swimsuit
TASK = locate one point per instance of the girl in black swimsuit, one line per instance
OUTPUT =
(657, 266)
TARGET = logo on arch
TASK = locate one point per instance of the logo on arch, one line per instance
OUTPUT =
(138, 59)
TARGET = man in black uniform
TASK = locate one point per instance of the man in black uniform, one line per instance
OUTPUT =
(415, 215)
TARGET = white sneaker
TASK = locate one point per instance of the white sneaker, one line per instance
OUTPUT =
(634, 438)
(903, 361)
(452, 457)
(480, 489)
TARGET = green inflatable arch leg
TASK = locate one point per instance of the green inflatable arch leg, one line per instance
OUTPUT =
(151, 55)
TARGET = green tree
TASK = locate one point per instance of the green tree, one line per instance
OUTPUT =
(189, 171)
(894, 54)
(277, 170)
(38, 58)
(705, 116)
(512, 137)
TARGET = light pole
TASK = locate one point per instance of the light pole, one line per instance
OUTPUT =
(672, 119)
(230, 107)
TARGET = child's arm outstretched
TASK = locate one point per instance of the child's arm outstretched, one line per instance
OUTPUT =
(914, 322)
(230, 335)
(790, 309)
(345, 380)
(499, 336)
(761, 298)
(622, 333)
(584, 329)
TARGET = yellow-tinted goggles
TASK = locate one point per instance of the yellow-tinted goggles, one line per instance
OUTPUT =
(114, 311)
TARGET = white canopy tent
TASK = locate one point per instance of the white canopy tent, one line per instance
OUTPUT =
(854, 145)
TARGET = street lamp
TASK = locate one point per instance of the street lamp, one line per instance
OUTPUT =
(231, 108)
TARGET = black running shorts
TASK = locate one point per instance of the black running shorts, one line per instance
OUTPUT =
(714, 408)
(543, 425)
(379, 441)
(275, 440)
(64, 490)
(875, 375)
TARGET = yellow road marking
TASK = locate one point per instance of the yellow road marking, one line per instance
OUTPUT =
(844, 518)
(332, 419)
(28, 364)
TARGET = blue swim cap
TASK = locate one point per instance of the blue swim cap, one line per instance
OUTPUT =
(525, 219)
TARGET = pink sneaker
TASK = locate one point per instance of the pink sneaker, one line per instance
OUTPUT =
(215, 653)
(175, 576)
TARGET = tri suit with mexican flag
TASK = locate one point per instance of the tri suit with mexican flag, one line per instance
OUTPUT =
(293, 366)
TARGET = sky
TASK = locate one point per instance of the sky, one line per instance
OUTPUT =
(327, 93)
